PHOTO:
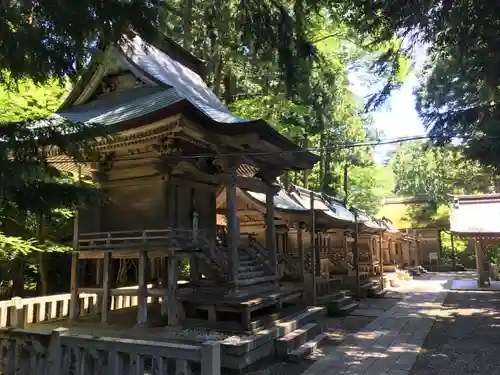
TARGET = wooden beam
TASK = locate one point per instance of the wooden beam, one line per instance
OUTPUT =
(241, 212)
(142, 297)
(105, 287)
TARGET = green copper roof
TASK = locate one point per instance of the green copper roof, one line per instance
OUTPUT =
(122, 106)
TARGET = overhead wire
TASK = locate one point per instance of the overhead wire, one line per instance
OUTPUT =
(336, 146)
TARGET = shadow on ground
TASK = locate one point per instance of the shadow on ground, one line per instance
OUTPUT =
(465, 339)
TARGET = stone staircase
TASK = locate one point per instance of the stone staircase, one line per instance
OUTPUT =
(342, 304)
(374, 289)
(300, 343)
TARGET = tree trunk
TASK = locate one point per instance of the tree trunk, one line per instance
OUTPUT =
(306, 172)
(17, 277)
(187, 23)
(42, 269)
(346, 183)
(228, 85)
(218, 76)
(322, 162)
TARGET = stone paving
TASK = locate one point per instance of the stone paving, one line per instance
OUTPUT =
(390, 344)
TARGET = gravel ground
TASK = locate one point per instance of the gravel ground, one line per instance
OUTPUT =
(465, 338)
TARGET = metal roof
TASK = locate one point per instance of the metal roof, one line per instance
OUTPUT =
(281, 200)
(303, 196)
(170, 72)
(479, 214)
(122, 106)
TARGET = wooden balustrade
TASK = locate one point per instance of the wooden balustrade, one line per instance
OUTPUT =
(20, 312)
(58, 352)
(170, 237)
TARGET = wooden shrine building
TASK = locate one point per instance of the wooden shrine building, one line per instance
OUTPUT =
(477, 218)
(313, 247)
(173, 147)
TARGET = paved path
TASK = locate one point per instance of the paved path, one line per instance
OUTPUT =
(390, 344)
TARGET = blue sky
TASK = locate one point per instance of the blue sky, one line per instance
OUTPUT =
(398, 118)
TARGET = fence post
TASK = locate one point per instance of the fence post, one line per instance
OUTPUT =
(210, 358)
(54, 351)
(17, 318)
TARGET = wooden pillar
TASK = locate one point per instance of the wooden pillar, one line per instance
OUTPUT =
(312, 238)
(98, 283)
(381, 258)
(142, 292)
(356, 256)
(164, 285)
(105, 302)
(194, 272)
(346, 254)
(74, 301)
(172, 203)
(155, 277)
(300, 246)
(271, 230)
(419, 253)
(232, 228)
(453, 258)
(172, 304)
(482, 274)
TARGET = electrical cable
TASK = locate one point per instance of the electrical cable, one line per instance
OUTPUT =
(335, 147)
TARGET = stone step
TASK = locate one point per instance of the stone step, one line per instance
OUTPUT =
(342, 311)
(341, 301)
(378, 293)
(257, 267)
(250, 275)
(335, 307)
(256, 280)
(249, 263)
(291, 341)
(306, 349)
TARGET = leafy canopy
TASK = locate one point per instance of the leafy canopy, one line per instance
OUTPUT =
(459, 92)
(45, 39)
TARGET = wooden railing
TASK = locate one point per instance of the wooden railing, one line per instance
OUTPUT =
(22, 312)
(259, 252)
(60, 353)
(184, 239)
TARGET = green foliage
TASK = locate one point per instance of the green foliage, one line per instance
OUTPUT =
(324, 111)
(30, 185)
(367, 186)
(30, 101)
(424, 171)
(434, 172)
(47, 39)
(459, 91)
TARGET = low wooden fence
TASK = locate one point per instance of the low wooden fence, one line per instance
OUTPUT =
(21, 312)
(59, 353)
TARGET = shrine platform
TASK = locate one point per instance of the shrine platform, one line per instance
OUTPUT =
(246, 310)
